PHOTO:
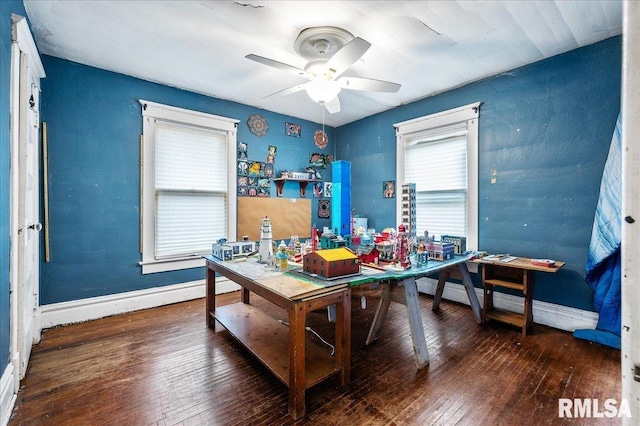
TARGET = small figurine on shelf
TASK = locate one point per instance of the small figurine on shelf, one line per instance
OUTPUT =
(402, 248)
(282, 263)
(422, 256)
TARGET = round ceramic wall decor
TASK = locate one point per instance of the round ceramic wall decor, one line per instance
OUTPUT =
(258, 125)
(321, 139)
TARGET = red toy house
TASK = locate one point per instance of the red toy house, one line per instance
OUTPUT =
(331, 263)
(369, 254)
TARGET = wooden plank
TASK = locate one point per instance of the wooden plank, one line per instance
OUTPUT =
(289, 216)
(265, 337)
(512, 318)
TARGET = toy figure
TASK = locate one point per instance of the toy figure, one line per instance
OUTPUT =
(281, 257)
(422, 256)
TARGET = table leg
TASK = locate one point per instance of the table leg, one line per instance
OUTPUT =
(471, 292)
(297, 318)
(437, 297)
(408, 297)
(343, 339)
(415, 322)
(528, 301)
(211, 298)
(381, 314)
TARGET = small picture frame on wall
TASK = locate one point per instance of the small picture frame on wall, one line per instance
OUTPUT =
(389, 189)
(324, 209)
(293, 130)
(318, 190)
(268, 170)
(328, 189)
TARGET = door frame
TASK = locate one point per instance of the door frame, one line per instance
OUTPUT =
(22, 44)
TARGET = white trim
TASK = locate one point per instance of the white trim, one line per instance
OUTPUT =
(545, 313)
(165, 265)
(630, 330)
(171, 113)
(104, 306)
(150, 112)
(8, 393)
(469, 114)
(438, 119)
(21, 35)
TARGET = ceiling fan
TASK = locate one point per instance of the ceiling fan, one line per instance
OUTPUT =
(330, 51)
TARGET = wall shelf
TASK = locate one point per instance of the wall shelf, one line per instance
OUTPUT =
(302, 182)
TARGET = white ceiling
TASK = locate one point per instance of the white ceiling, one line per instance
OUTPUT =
(427, 46)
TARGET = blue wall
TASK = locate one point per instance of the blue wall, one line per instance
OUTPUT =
(94, 126)
(6, 9)
(545, 129)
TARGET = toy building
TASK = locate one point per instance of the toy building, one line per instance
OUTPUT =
(341, 197)
(439, 250)
(368, 254)
(331, 263)
(408, 211)
(459, 243)
(329, 240)
(226, 251)
(222, 250)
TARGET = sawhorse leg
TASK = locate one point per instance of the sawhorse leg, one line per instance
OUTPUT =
(404, 292)
(462, 274)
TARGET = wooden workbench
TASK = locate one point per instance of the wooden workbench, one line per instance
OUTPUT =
(283, 349)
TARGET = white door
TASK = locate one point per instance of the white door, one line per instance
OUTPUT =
(28, 212)
(25, 192)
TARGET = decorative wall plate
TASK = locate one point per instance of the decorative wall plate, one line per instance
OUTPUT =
(321, 139)
(258, 125)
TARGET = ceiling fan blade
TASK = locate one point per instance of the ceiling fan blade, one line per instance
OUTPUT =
(288, 91)
(347, 56)
(279, 65)
(333, 105)
(368, 84)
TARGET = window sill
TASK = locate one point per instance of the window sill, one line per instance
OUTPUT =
(165, 265)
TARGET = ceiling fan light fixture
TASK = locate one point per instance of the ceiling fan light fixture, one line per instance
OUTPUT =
(322, 90)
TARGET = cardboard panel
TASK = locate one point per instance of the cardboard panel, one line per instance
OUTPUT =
(289, 216)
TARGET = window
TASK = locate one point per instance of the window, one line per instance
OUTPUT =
(439, 153)
(188, 186)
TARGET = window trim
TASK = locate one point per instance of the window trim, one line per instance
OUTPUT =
(154, 111)
(467, 113)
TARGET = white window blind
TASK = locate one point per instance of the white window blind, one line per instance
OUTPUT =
(436, 161)
(190, 189)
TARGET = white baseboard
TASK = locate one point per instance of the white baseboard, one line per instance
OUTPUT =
(99, 307)
(8, 393)
(552, 315)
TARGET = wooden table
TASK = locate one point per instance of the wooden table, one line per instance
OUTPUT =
(517, 274)
(266, 338)
(283, 348)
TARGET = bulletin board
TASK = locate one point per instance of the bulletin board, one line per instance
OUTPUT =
(289, 216)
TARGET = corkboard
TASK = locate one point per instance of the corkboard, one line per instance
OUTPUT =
(289, 216)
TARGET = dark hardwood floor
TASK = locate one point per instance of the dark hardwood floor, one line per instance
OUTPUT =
(163, 366)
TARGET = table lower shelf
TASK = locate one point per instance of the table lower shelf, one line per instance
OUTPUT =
(268, 340)
(512, 318)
